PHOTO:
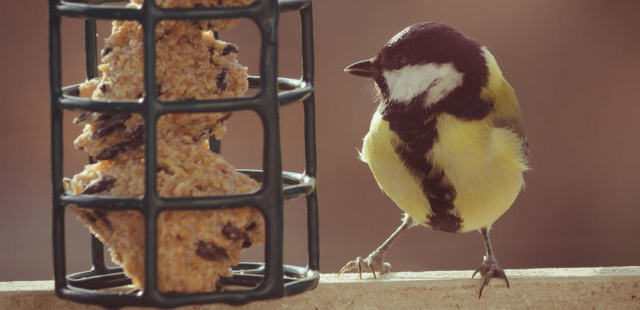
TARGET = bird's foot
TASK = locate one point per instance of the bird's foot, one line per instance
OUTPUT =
(490, 269)
(374, 263)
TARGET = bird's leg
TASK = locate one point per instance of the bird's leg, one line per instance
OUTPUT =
(375, 260)
(489, 268)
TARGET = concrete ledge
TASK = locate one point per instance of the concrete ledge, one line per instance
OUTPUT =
(569, 288)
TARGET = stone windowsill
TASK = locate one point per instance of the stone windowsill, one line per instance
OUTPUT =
(565, 288)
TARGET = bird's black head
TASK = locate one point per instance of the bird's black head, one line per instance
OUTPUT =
(430, 64)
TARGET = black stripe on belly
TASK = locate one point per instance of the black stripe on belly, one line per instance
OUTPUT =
(417, 133)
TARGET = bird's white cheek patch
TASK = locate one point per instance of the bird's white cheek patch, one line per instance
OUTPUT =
(436, 79)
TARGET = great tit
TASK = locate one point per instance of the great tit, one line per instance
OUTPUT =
(447, 142)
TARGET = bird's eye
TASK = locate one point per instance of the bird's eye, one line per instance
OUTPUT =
(399, 61)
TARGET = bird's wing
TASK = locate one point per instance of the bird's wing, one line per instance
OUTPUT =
(516, 126)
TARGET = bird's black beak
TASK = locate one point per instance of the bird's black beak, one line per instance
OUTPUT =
(364, 68)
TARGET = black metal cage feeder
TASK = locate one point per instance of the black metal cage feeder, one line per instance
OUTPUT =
(271, 279)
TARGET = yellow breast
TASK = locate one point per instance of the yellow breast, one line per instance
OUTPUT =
(390, 173)
(484, 164)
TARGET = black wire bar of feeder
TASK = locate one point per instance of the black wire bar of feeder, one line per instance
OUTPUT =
(271, 279)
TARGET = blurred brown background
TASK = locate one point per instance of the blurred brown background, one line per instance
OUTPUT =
(574, 65)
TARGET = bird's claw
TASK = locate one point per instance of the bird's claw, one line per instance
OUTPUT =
(356, 264)
(490, 269)
(372, 263)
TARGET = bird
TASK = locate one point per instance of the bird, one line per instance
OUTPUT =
(447, 142)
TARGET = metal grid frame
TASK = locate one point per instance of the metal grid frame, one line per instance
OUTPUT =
(273, 279)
